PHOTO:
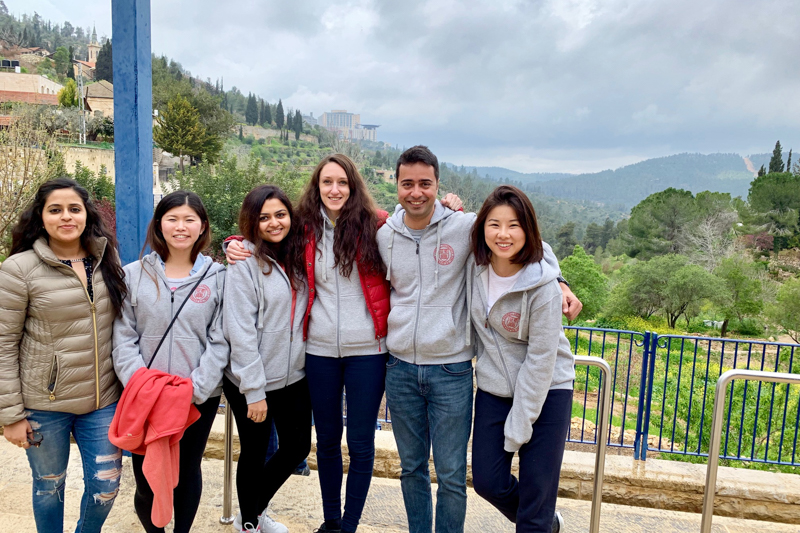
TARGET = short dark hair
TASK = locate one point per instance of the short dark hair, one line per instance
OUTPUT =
(532, 251)
(155, 237)
(418, 154)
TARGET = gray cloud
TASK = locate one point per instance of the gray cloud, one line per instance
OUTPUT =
(541, 85)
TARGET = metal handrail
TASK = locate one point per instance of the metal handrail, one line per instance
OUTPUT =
(227, 482)
(716, 430)
(601, 435)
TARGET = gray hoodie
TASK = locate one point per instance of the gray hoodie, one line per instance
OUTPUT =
(428, 321)
(195, 346)
(522, 350)
(340, 324)
(267, 347)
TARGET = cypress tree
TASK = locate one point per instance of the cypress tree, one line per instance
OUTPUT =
(267, 114)
(776, 162)
(251, 111)
(789, 161)
(279, 117)
(298, 125)
(289, 120)
(762, 171)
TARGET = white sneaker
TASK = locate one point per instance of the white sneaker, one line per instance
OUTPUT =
(237, 522)
(558, 523)
(267, 525)
(248, 528)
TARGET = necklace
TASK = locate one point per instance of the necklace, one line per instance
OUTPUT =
(79, 260)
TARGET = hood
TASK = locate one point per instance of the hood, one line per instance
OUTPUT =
(395, 222)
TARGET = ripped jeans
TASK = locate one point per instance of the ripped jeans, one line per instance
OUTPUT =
(102, 466)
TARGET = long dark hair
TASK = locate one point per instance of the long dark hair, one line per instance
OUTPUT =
(30, 227)
(155, 237)
(289, 252)
(356, 225)
(532, 251)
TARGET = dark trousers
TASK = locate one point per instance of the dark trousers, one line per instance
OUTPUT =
(531, 501)
(186, 496)
(257, 480)
(363, 379)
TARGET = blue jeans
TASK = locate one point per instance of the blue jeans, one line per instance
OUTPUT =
(431, 405)
(102, 466)
(363, 378)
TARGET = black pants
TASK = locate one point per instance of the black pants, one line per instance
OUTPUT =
(257, 482)
(531, 501)
(186, 496)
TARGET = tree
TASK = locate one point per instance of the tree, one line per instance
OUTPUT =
(789, 161)
(298, 125)
(279, 116)
(267, 115)
(62, 60)
(742, 296)
(3, 8)
(30, 157)
(565, 238)
(776, 162)
(656, 222)
(179, 130)
(592, 237)
(685, 290)
(241, 133)
(776, 197)
(251, 112)
(762, 171)
(786, 311)
(290, 120)
(104, 69)
(587, 280)
(261, 113)
(68, 96)
(67, 29)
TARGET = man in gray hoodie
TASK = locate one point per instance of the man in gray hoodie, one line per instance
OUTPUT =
(425, 248)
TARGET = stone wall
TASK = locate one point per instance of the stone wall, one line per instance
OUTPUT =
(263, 133)
(92, 158)
(28, 83)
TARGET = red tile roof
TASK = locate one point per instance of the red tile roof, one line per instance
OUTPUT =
(28, 98)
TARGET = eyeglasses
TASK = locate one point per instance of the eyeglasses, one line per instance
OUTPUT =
(35, 439)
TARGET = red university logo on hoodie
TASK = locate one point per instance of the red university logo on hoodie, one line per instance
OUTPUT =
(201, 294)
(445, 254)
(511, 322)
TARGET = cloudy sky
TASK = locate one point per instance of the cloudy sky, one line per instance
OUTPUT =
(535, 86)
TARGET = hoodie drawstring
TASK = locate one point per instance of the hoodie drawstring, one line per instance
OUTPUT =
(438, 244)
(389, 263)
(524, 318)
(322, 254)
(469, 307)
(261, 313)
(135, 287)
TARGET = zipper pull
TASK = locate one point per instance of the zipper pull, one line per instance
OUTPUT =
(94, 308)
(52, 397)
(486, 322)
(172, 296)
(417, 248)
(291, 336)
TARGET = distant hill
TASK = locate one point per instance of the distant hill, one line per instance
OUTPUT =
(504, 174)
(629, 185)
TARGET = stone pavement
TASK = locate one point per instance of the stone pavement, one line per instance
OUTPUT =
(298, 505)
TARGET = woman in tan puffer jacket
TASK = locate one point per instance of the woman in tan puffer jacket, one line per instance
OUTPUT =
(60, 291)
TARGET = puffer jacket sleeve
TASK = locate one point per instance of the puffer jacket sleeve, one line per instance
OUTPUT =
(208, 374)
(536, 374)
(125, 354)
(13, 310)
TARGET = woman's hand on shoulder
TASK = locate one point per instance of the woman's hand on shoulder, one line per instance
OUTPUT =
(570, 305)
(236, 252)
(452, 202)
(17, 433)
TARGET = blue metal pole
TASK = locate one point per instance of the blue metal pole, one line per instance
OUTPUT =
(133, 123)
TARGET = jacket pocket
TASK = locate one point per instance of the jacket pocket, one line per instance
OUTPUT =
(458, 369)
(401, 329)
(186, 354)
(436, 332)
(274, 351)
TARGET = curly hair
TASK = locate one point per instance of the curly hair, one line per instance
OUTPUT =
(357, 224)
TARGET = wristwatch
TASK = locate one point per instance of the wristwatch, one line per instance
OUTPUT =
(562, 280)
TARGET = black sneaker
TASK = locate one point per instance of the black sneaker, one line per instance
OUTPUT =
(323, 529)
(558, 523)
(302, 471)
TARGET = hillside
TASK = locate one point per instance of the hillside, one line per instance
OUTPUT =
(505, 175)
(627, 186)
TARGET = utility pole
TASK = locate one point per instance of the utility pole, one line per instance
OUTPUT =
(82, 138)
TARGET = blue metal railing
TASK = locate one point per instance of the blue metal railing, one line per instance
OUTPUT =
(662, 395)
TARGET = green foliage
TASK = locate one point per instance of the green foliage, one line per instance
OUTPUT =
(587, 281)
(565, 239)
(104, 69)
(62, 60)
(68, 96)
(251, 113)
(657, 221)
(786, 310)
(179, 130)
(742, 296)
(279, 115)
(776, 162)
(100, 186)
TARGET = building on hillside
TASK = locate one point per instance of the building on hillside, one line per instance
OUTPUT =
(348, 126)
(28, 83)
(99, 96)
(22, 97)
(310, 120)
(88, 67)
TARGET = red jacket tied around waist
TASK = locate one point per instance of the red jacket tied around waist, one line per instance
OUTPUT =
(152, 414)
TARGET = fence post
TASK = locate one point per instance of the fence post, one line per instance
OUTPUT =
(651, 370)
(638, 441)
(601, 434)
(227, 481)
(716, 431)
